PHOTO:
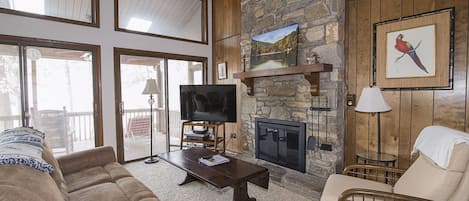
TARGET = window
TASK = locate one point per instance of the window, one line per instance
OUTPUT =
(82, 12)
(177, 19)
(51, 86)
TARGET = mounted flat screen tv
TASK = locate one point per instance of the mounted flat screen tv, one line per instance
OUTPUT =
(215, 103)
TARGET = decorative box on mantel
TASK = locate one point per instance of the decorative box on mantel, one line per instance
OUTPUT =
(310, 71)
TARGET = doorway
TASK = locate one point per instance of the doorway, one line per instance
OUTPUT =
(133, 119)
(53, 87)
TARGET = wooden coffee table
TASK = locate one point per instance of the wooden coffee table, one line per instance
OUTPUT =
(235, 173)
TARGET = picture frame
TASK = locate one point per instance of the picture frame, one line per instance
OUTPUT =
(221, 70)
(415, 52)
(275, 49)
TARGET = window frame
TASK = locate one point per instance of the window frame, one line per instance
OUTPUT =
(118, 52)
(204, 26)
(94, 11)
(23, 42)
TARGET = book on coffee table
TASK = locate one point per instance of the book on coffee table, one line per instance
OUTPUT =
(213, 160)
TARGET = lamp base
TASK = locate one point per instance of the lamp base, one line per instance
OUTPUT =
(151, 160)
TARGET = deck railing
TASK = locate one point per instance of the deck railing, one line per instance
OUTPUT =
(82, 123)
(159, 121)
(10, 121)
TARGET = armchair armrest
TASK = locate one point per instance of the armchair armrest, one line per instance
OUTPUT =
(383, 174)
(358, 194)
(77, 161)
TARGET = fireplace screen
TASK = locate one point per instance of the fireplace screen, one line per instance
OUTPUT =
(281, 142)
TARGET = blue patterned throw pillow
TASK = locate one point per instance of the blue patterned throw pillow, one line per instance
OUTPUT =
(23, 146)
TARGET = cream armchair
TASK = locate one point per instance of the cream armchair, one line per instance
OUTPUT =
(424, 180)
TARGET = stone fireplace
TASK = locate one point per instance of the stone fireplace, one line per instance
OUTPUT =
(288, 97)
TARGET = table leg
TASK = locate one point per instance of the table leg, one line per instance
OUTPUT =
(386, 174)
(188, 179)
(224, 137)
(240, 192)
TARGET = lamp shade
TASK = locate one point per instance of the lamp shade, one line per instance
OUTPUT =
(372, 100)
(151, 87)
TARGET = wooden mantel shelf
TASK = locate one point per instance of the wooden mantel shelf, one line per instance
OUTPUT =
(310, 71)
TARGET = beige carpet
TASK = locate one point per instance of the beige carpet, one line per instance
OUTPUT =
(162, 179)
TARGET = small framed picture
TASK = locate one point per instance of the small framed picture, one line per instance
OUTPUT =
(221, 69)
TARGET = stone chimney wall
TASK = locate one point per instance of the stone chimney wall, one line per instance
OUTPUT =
(287, 97)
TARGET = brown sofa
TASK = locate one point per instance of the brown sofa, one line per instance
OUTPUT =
(92, 175)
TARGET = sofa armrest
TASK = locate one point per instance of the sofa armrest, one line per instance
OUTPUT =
(382, 174)
(77, 161)
(357, 194)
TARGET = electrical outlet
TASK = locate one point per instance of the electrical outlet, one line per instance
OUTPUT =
(232, 135)
(351, 99)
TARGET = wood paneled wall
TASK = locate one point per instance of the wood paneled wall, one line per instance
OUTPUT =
(227, 31)
(412, 110)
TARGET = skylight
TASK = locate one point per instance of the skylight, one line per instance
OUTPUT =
(138, 24)
(36, 6)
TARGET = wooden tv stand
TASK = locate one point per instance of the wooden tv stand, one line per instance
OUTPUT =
(217, 139)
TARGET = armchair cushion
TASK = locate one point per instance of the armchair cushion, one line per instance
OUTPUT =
(336, 184)
(425, 179)
(461, 192)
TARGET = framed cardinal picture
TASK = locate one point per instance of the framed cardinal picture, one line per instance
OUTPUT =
(414, 51)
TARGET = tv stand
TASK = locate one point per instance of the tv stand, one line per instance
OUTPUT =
(214, 126)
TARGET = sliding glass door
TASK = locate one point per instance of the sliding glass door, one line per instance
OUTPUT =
(135, 108)
(52, 88)
(180, 72)
(10, 88)
(60, 97)
(133, 69)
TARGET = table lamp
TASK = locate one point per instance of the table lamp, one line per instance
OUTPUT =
(372, 101)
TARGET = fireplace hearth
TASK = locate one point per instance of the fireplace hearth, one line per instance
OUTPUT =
(281, 142)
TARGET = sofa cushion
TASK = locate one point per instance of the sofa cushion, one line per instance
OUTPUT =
(23, 146)
(336, 184)
(425, 179)
(56, 173)
(82, 160)
(86, 178)
(32, 184)
(8, 192)
(135, 190)
(116, 171)
(101, 192)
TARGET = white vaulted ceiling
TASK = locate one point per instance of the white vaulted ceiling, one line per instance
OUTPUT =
(179, 18)
(80, 10)
(175, 13)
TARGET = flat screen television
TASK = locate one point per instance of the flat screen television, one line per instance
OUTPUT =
(215, 103)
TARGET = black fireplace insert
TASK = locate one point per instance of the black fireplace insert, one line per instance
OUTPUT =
(281, 142)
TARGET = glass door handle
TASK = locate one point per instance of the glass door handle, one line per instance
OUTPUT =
(121, 108)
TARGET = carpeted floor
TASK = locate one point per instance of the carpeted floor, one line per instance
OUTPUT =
(162, 179)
